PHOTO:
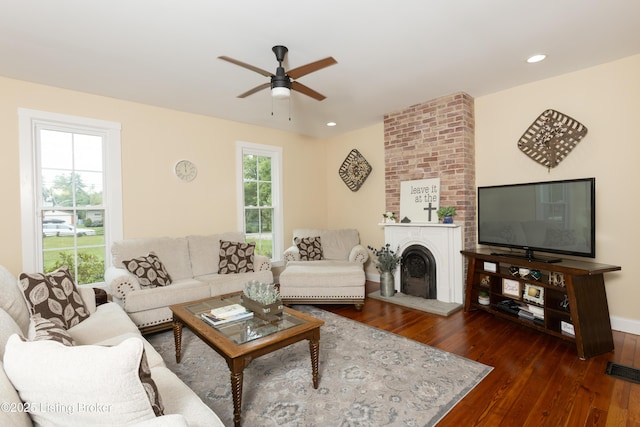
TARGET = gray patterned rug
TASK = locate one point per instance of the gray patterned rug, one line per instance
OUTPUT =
(368, 377)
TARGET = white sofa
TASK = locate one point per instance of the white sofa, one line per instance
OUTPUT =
(107, 325)
(337, 278)
(192, 263)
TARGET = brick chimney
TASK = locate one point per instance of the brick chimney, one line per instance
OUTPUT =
(435, 140)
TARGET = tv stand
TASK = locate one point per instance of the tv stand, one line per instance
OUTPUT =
(569, 299)
(528, 255)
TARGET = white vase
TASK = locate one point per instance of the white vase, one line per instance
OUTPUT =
(387, 284)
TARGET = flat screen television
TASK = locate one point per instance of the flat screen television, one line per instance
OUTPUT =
(557, 217)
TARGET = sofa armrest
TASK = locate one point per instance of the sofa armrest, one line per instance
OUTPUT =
(359, 254)
(121, 282)
(261, 263)
(88, 296)
(291, 254)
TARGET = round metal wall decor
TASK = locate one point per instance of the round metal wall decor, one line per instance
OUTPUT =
(551, 137)
(354, 170)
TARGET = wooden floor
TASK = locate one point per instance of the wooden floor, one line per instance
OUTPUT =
(537, 380)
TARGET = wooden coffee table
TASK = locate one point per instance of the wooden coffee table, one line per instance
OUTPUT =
(241, 342)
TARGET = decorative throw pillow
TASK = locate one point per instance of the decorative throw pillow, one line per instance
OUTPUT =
(63, 279)
(107, 378)
(149, 270)
(236, 257)
(44, 329)
(310, 248)
(54, 296)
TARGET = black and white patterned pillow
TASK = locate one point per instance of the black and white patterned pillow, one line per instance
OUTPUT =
(236, 257)
(41, 329)
(149, 270)
(310, 248)
(54, 296)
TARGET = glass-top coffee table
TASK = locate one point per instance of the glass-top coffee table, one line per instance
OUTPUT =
(242, 341)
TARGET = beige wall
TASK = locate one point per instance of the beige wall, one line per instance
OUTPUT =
(361, 209)
(606, 99)
(153, 139)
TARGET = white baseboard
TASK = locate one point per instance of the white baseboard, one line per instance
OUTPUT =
(630, 326)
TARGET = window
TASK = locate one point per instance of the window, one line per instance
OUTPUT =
(260, 197)
(71, 193)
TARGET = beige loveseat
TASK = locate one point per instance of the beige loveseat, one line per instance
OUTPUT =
(336, 278)
(40, 364)
(193, 265)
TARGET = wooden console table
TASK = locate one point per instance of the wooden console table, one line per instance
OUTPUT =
(571, 294)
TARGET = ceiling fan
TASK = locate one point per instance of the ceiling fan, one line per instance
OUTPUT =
(283, 82)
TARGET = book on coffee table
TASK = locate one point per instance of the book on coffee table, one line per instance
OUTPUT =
(214, 321)
(228, 311)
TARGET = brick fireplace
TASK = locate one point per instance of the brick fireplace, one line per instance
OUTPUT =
(436, 140)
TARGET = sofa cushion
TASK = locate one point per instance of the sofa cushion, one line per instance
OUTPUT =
(9, 396)
(94, 330)
(54, 296)
(74, 377)
(309, 248)
(179, 292)
(8, 327)
(173, 251)
(149, 270)
(337, 244)
(236, 257)
(12, 299)
(44, 329)
(328, 276)
(205, 251)
(180, 399)
(154, 358)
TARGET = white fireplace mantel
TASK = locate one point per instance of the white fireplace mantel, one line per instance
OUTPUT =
(445, 243)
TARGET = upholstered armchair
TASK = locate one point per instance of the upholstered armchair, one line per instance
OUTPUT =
(323, 244)
(324, 267)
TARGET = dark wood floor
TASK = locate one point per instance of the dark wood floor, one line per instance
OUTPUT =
(537, 380)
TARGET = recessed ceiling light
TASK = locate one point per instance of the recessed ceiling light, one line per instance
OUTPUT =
(331, 124)
(536, 58)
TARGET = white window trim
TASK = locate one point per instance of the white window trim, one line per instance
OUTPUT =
(31, 241)
(276, 193)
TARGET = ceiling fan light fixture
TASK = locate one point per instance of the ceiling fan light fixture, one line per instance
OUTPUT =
(280, 92)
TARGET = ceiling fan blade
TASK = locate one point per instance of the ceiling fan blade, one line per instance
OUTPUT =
(299, 87)
(247, 66)
(298, 72)
(254, 90)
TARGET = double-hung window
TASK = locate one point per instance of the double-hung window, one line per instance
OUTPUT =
(70, 192)
(260, 197)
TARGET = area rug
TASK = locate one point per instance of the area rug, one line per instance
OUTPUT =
(422, 304)
(368, 377)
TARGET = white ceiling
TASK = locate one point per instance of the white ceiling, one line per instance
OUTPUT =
(390, 55)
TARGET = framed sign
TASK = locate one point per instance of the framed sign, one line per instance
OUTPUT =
(511, 288)
(420, 199)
